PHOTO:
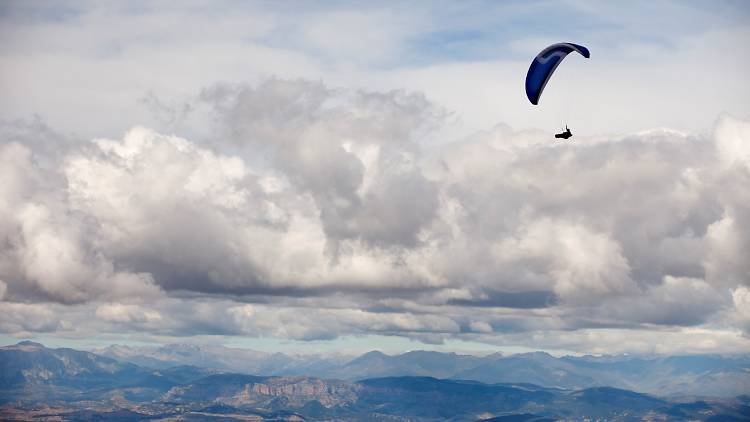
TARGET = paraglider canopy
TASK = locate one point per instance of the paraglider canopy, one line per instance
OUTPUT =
(544, 65)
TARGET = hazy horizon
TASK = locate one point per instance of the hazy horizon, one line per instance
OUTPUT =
(327, 351)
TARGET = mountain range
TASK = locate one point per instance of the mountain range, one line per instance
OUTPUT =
(670, 376)
(40, 383)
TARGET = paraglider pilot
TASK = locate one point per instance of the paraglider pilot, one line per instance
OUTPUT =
(565, 135)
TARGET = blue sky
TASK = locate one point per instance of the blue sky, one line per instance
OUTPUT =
(350, 175)
(672, 52)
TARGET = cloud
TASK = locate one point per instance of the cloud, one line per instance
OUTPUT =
(209, 222)
(582, 265)
(331, 323)
(48, 251)
(528, 299)
(117, 312)
(741, 311)
(353, 152)
(171, 208)
(317, 213)
(731, 142)
(677, 301)
(617, 341)
(21, 318)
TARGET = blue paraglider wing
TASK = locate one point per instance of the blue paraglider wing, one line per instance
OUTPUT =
(544, 66)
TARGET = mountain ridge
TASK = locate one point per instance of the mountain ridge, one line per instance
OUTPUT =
(84, 386)
(680, 375)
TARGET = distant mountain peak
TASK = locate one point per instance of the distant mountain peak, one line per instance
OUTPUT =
(428, 353)
(29, 343)
(374, 353)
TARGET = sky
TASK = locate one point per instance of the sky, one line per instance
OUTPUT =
(349, 176)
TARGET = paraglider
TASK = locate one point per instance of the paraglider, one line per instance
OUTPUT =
(542, 68)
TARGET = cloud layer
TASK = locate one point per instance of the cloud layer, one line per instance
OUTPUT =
(315, 213)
